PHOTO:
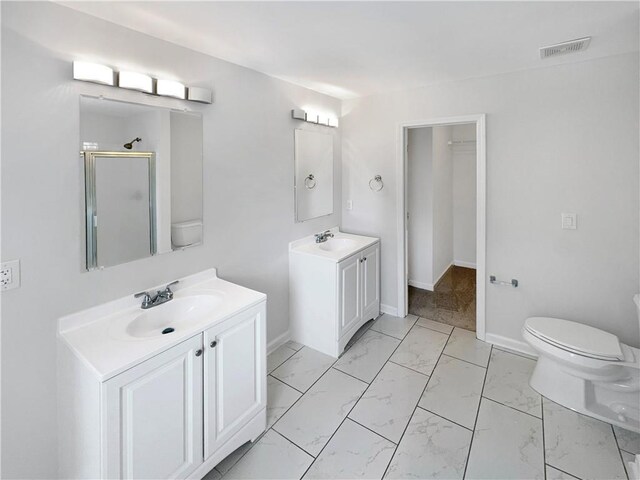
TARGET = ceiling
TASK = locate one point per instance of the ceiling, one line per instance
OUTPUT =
(353, 49)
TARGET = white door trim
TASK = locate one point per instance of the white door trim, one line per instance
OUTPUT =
(481, 199)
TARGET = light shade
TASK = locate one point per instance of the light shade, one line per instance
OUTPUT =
(333, 122)
(135, 81)
(323, 119)
(198, 94)
(92, 72)
(312, 117)
(171, 88)
(298, 114)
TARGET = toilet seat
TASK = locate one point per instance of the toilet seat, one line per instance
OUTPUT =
(576, 338)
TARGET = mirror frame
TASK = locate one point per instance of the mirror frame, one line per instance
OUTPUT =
(89, 157)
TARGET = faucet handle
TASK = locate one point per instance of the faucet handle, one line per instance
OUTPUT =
(167, 293)
(147, 300)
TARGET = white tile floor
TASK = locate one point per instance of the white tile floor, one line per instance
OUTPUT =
(413, 398)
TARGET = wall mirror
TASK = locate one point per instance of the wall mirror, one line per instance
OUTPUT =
(143, 180)
(313, 174)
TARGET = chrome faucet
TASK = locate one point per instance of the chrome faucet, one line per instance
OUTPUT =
(161, 296)
(322, 237)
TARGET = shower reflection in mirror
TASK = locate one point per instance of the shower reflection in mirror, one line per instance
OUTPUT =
(143, 180)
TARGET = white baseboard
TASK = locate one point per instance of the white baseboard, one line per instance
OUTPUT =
(278, 341)
(389, 310)
(462, 263)
(517, 346)
(439, 277)
(421, 285)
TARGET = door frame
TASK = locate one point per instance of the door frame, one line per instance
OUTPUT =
(481, 199)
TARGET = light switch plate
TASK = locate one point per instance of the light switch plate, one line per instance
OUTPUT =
(10, 275)
(569, 221)
(349, 204)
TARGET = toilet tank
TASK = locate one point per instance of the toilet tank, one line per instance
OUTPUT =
(186, 233)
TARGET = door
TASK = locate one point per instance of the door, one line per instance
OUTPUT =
(234, 375)
(349, 293)
(153, 416)
(371, 282)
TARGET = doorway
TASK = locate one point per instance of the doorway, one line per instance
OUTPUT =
(441, 228)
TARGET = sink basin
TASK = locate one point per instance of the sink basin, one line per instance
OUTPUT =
(337, 244)
(176, 314)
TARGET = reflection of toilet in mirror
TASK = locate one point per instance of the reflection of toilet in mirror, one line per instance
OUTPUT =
(184, 234)
(586, 369)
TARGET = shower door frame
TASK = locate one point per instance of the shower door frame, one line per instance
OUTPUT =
(481, 211)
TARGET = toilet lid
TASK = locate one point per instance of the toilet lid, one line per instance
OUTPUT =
(576, 337)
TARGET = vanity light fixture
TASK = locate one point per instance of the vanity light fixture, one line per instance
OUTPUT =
(198, 94)
(314, 117)
(135, 81)
(97, 73)
(171, 88)
(93, 72)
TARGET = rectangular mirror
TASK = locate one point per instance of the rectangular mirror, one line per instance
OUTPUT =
(143, 180)
(313, 174)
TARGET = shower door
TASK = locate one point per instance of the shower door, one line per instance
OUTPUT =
(120, 207)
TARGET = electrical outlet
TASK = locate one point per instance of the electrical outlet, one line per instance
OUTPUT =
(10, 275)
(349, 204)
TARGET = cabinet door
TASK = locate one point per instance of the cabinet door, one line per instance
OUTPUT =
(235, 375)
(371, 281)
(349, 293)
(153, 416)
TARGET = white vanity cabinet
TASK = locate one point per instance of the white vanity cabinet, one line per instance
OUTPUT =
(334, 289)
(161, 407)
(234, 377)
(153, 416)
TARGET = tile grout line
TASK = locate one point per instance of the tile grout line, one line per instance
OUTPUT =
(412, 369)
(372, 431)
(292, 405)
(335, 431)
(285, 360)
(417, 403)
(560, 470)
(352, 376)
(544, 445)
(615, 437)
(285, 383)
(512, 408)
(475, 424)
(467, 361)
(444, 418)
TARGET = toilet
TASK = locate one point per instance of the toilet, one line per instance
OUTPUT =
(586, 369)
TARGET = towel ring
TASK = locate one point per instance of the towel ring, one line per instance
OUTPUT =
(310, 181)
(376, 184)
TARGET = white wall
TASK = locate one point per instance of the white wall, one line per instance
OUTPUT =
(559, 139)
(248, 196)
(464, 196)
(442, 202)
(420, 206)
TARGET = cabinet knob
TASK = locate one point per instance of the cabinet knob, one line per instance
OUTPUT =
(213, 344)
(198, 352)
(364, 259)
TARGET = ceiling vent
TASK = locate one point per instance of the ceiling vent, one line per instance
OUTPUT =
(563, 48)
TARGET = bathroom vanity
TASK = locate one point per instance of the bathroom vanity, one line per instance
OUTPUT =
(135, 402)
(334, 289)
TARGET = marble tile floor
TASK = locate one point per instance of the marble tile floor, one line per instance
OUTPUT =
(453, 301)
(414, 398)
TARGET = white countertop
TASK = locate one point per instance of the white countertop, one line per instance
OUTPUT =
(355, 243)
(96, 335)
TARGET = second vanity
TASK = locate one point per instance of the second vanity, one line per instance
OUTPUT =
(162, 392)
(334, 289)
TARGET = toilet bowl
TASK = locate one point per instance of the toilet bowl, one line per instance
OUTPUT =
(586, 369)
